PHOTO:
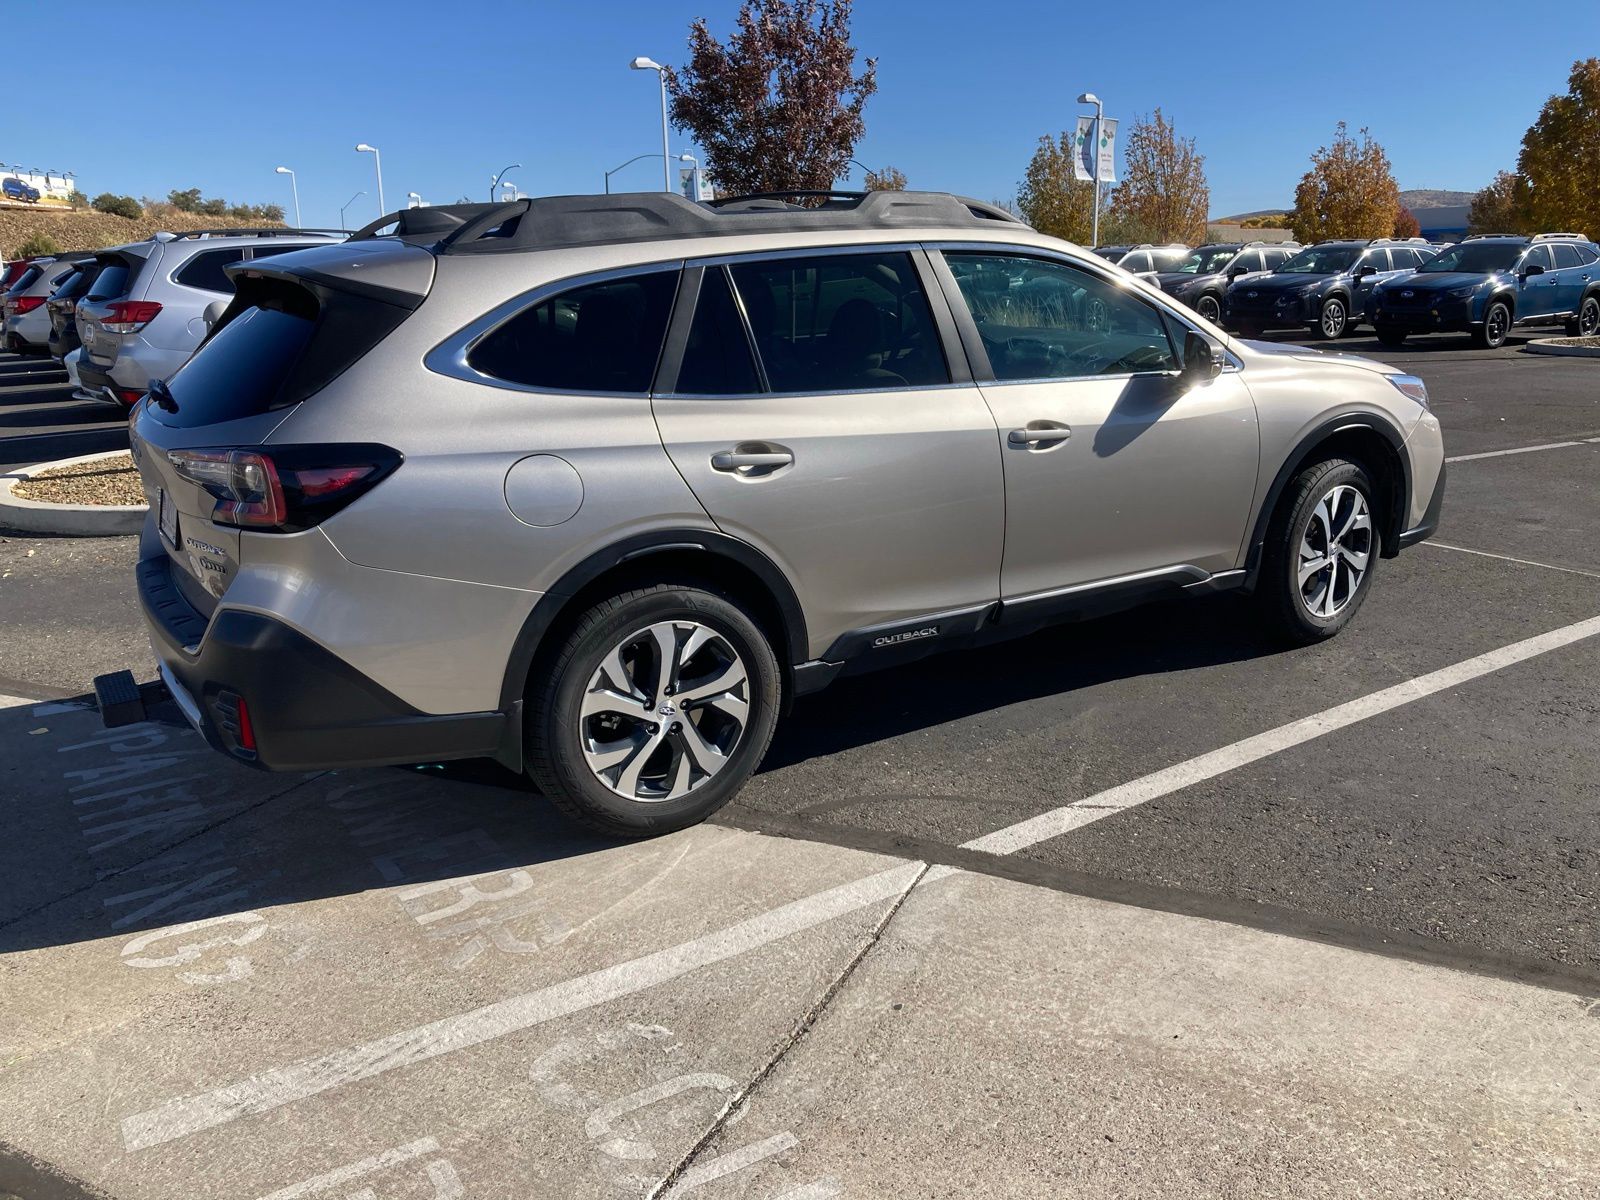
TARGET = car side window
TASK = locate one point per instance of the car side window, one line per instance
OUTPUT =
(598, 337)
(1536, 256)
(842, 322)
(1566, 255)
(1403, 258)
(717, 359)
(205, 271)
(1043, 319)
(1587, 255)
(1378, 260)
(1253, 261)
(1139, 260)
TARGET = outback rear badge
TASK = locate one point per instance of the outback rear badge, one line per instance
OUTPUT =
(910, 635)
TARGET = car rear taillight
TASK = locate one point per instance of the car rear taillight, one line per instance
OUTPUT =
(129, 316)
(129, 396)
(284, 489)
(26, 304)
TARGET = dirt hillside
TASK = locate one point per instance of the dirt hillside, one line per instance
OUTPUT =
(90, 230)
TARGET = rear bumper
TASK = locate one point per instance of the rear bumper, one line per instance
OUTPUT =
(308, 708)
(101, 385)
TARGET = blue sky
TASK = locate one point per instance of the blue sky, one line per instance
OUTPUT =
(216, 94)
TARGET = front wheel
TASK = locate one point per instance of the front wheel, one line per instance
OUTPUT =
(1208, 308)
(1331, 321)
(653, 712)
(1321, 549)
(1491, 335)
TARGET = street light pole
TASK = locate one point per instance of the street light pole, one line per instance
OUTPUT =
(495, 182)
(294, 185)
(649, 64)
(688, 158)
(1099, 113)
(377, 163)
(348, 203)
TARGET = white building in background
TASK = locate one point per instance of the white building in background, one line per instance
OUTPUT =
(52, 185)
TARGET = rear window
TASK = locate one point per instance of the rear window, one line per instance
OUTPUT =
(603, 337)
(25, 279)
(242, 369)
(112, 282)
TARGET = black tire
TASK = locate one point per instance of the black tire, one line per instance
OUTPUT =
(1496, 327)
(1333, 319)
(1279, 595)
(555, 757)
(1389, 335)
(1209, 307)
(1588, 320)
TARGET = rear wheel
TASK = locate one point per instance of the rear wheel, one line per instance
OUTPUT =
(1389, 335)
(1333, 318)
(653, 712)
(1491, 335)
(1587, 323)
(1321, 549)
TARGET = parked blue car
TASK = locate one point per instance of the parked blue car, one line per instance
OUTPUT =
(1490, 284)
(14, 189)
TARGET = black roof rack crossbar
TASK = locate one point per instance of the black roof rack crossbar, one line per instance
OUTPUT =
(561, 222)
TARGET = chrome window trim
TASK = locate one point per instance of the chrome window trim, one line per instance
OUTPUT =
(449, 357)
(884, 391)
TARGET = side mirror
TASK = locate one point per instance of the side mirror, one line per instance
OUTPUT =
(1201, 361)
(214, 312)
(1235, 272)
(1365, 269)
(1531, 270)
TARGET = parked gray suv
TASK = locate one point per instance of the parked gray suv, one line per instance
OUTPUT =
(146, 313)
(596, 485)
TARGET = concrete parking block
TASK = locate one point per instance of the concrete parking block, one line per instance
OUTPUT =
(1001, 1040)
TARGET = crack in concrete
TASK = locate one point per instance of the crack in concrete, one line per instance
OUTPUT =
(664, 1188)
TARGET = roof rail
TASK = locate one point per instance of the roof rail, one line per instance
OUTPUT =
(264, 231)
(1559, 237)
(1278, 245)
(1472, 237)
(558, 222)
(1397, 241)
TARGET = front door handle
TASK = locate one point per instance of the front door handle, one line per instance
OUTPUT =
(751, 462)
(1039, 434)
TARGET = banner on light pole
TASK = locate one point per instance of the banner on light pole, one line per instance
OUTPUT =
(1084, 149)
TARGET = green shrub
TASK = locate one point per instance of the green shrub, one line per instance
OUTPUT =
(118, 206)
(77, 199)
(38, 243)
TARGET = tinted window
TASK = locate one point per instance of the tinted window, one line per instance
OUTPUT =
(1587, 254)
(1475, 257)
(846, 322)
(112, 282)
(717, 361)
(1139, 260)
(1378, 260)
(1251, 261)
(25, 279)
(240, 371)
(1537, 255)
(1321, 260)
(1046, 320)
(269, 251)
(205, 271)
(1165, 260)
(603, 337)
(1402, 258)
(1565, 255)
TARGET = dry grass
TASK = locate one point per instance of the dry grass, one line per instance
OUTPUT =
(90, 230)
(105, 481)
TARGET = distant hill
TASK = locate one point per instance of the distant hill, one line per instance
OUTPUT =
(1238, 218)
(86, 229)
(1435, 198)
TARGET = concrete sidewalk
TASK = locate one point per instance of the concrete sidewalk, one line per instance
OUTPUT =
(396, 984)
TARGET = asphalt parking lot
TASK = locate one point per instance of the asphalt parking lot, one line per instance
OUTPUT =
(1131, 908)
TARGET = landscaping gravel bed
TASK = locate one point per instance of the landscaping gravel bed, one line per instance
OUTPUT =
(105, 481)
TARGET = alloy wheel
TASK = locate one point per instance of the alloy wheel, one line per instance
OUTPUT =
(665, 711)
(1335, 551)
(1332, 318)
(1498, 324)
(1208, 308)
(1589, 318)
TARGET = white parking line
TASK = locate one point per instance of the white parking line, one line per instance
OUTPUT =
(285, 1085)
(1524, 450)
(1207, 766)
(1526, 562)
(355, 1170)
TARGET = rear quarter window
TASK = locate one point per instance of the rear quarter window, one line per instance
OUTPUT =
(241, 370)
(112, 282)
(208, 271)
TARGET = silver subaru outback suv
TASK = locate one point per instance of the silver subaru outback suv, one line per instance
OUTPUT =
(596, 485)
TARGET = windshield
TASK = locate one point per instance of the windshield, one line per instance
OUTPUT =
(1206, 261)
(1321, 260)
(1476, 257)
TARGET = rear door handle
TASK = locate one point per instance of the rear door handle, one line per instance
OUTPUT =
(751, 461)
(1035, 437)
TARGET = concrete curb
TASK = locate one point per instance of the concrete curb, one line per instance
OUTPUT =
(1554, 346)
(71, 520)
